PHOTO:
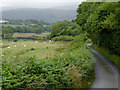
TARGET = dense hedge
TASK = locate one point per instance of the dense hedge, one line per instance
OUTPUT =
(63, 38)
(102, 21)
(65, 28)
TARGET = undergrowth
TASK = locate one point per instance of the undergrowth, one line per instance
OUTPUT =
(72, 69)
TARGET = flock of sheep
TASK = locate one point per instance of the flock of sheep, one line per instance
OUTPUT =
(13, 42)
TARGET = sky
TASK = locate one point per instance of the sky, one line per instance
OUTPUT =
(37, 3)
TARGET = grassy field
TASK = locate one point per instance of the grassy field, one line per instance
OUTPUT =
(29, 34)
(14, 26)
(29, 48)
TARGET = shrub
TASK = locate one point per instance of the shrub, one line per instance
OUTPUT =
(63, 38)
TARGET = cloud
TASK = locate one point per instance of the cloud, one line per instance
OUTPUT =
(41, 1)
(37, 3)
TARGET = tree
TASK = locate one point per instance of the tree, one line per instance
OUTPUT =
(102, 22)
(7, 33)
(58, 27)
(37, 29)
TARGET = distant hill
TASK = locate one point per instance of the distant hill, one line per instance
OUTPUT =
(48, 15)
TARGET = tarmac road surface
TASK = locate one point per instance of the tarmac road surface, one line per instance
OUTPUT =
(107, 75)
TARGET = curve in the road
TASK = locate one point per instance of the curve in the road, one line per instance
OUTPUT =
(107, 75)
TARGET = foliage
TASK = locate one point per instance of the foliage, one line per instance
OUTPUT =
(27, 26)
(58, 27)
(63, 38)
(7, 33)
(25, 29)
(101, 21)
(65, 28)
(31, 38)
(27, 22)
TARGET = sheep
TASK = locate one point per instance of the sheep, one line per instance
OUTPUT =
(36, 42)
(49, 41)
(8, 47)
(2, 55)
(15, 41)
(24, 45)
(15, 45)
(32, 49)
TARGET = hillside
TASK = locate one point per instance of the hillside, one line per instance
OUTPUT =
(48, 15)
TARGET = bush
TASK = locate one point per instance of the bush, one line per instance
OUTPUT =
(63, 38)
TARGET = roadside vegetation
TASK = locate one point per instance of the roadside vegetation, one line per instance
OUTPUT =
(101, 20)
(41, 62)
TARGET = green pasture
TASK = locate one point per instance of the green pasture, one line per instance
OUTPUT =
(29, 48)
(14, 26)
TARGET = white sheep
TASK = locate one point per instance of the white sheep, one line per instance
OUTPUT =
(24, 45)
(49, 41)
(8, 47)
(2, 55)
(2, 44)
(15, 45)
(36, 42)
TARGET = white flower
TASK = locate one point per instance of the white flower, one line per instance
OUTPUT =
(15, 45)
(24, 45)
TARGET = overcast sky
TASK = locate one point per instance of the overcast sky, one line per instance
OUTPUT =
(38, 3)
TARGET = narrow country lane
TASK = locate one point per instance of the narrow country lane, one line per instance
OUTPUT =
(107, 74)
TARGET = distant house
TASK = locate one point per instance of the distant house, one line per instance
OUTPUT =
(3, 21)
